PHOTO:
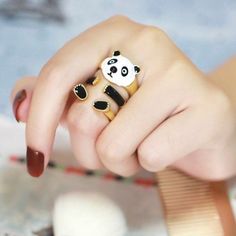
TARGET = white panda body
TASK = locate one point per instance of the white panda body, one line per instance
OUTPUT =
(119, 70)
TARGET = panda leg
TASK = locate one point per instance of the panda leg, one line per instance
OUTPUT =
(93, 80)
(110, 91)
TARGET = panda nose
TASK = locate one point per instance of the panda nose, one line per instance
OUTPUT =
(113, 69)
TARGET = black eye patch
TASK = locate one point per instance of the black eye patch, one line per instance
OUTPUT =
(124, 71)
(112, 61)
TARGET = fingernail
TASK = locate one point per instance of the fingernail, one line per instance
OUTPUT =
(35, 162)
(19, 98)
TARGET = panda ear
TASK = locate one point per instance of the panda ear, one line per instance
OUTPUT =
(136, 69)
(116, 53)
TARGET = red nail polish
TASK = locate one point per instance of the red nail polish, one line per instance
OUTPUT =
(19, 98)
(35, 162)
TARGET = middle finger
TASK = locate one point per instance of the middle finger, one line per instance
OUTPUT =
(85, 125)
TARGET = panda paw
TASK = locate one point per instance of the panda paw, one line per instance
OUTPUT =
(81, 92)
(102, 106)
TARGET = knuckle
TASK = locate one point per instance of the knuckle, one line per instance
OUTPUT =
(120, 23)
(147, 158)
(223, 101)
(119, 18)
(151, 160)
(108, 152)
(151, 34)
(51, 74)
(221, 107)
(78, 120)
(223, 112)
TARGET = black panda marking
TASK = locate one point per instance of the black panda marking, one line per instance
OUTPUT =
(124, 71)
(113, 69)
(114, 95)
(116, 53)
(112, 61)
(136, 69)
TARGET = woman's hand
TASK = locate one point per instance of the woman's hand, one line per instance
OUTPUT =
(177, 117)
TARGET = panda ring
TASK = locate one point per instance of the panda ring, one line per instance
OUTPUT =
(116, 70)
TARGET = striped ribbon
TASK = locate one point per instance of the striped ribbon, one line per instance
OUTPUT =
(144, 182)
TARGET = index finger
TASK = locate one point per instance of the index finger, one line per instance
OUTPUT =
(75, 62)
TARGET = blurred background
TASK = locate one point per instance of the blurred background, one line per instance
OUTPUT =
(31, 31)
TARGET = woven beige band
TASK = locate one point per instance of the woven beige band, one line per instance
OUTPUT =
(193, 207)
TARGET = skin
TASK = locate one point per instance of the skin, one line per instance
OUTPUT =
(178, 117)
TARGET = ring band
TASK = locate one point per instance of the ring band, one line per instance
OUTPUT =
(132, 88)
(110, 115)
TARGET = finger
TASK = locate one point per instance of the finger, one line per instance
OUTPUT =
(75, 62)
(156, 100)
(175, 138)
(145, 110)
(85, 125)
(21, 97)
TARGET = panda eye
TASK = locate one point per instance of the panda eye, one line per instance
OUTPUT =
(124, 71)
(112, 61)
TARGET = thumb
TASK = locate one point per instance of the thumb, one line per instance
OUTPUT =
(21, 97)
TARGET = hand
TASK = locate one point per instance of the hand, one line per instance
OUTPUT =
(177, 117)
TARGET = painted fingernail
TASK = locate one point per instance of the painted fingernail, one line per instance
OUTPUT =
(19, 98)
(35, 162)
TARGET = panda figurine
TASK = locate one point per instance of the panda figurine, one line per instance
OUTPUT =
(117, 70)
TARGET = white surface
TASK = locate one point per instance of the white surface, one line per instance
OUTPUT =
(26, 203)
(87, 214)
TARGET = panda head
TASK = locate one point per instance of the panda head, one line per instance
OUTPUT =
(119, 70)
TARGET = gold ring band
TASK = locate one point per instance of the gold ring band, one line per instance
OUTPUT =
(110, 115)
(132, 88)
